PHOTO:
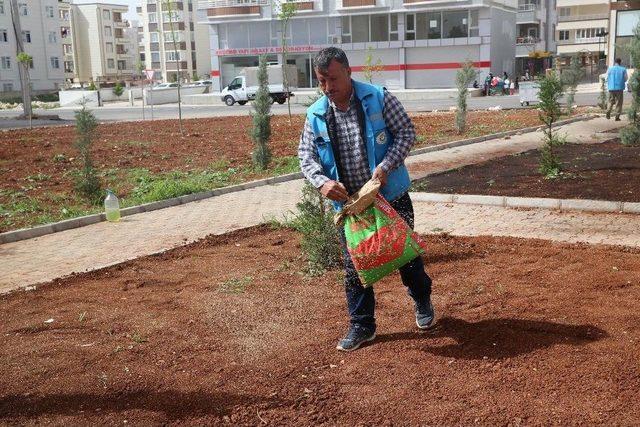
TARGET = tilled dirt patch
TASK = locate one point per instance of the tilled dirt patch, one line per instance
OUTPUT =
(606, 171)
(228, 330)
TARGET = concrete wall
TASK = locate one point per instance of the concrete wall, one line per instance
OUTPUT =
(71, 98)
(442, 77)
(503, 41)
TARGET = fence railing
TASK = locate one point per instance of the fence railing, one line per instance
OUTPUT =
(591, 17)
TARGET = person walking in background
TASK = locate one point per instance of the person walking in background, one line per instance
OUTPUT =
(616, 78)
(512, 86)
(355, 132)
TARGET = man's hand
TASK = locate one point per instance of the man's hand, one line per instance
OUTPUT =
(333, 190)
(381, 175)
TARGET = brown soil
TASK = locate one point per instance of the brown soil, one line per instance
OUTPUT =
(607, 171)
(527, 336)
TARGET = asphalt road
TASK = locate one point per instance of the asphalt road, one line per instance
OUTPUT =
(127, 113)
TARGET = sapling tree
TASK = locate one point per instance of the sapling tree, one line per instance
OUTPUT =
(261, 131)
(320, 241)
(602, 98)
(570, 79)
(287, 11)
(370, 68)
(551, 89)
(464, 76)
(24, 61)
(171, 8)
(87, 183)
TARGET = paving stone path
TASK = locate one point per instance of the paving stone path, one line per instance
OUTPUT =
(95, 246)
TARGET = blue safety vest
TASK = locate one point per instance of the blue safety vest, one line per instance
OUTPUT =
(378, 139)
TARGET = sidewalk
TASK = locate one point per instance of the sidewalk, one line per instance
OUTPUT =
(95, 246)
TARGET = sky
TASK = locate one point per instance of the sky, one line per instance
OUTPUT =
(132, 6)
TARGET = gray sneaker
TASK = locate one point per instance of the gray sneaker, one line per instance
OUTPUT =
(356, 336)
(425, 315)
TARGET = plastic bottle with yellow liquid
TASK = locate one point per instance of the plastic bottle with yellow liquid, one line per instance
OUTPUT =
(112, 207)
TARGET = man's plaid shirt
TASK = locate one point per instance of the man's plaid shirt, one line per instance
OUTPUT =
(352, 149)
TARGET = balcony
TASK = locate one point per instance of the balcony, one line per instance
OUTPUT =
(530, 13)
(574, 18)
(232, 7)
(526, 49)
(589, 40)
(299, 5)
(357, 3)
(527, 40)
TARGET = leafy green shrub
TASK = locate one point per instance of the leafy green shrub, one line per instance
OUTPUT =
(118, 90)
(92, 86)
(630, 135)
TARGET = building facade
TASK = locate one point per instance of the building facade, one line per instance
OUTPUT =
(415, 43)
(100, 43)
(623, 19)
(535, 36)
(582, 30)
(39, 30)
(171, 40)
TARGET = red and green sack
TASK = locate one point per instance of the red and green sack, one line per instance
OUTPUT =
(380, 241)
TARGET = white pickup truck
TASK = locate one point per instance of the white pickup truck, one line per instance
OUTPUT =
(243, 88)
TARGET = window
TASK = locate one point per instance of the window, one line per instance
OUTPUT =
(122, 65)
(5, 62)
(627, 21)
(379, 28)
(31, 64)
(107, 31)
(153, 18)
(1, 7)
(564, 11)
(4, 36)
(106, 14)
(26, 36)
(155, 56)
(48, 11)
(346, 29)
(66, 49)
(173, 16)
(68, 66)
(393, 27)
(454, 24)
(588, 33)
(155, 37)
(431, 23)
(474, 26)
(53, 37)
(65, 32)
(64, 14)
(563, 35)
(109, 47)
(22, 9)
(410, 26)
(169, 35)
(360, 29)
(332, 31)
(174, 56)
(7, 87)
(111, 63)
(55, 62)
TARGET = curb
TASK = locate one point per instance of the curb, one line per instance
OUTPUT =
(42, 230)
(583, 205)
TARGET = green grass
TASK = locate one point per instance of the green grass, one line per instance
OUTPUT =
(235, 286)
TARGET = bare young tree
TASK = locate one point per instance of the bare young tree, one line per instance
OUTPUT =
(170, 7)
(287, 11)
(23, 67)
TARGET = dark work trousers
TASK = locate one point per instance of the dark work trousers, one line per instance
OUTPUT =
(615, 98)
(360, 300)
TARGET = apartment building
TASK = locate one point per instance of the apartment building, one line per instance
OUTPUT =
(535, 36)
(39, 32)
(419, 43)
(582, 30)
(164, 22)
(623, 19)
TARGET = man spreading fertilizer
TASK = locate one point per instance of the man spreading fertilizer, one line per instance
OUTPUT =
(354, 133)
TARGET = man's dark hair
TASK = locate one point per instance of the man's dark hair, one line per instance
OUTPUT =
(328, 54)
(618, 61)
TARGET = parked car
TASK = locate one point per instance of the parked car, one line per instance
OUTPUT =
(164, 86)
